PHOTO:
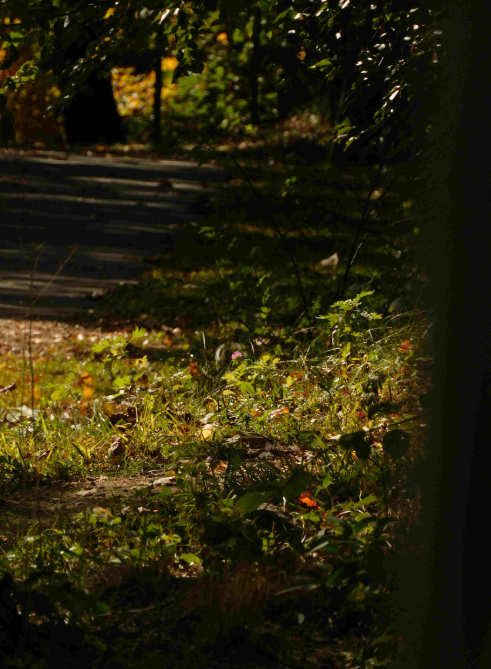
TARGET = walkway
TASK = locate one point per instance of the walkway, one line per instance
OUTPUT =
(73, 226)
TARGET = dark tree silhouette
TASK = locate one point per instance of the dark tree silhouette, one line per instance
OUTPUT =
(92, 115)
(447, 592)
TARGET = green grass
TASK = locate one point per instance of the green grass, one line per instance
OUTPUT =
(281, 423)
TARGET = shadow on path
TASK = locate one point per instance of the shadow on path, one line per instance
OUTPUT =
(74, 226)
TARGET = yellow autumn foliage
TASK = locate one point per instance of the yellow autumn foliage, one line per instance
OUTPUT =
(222, 38)
(134, 92)
(27, 106)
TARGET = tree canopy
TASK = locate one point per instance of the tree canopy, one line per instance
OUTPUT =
(363, 65)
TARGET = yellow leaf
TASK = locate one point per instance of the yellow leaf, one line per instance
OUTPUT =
(376, 194)
(101, 510)
(207, 431)
(87, 392)
(222, 38)
(111, 408)
(109, 12)
(88, 385)
(302, 54)
(169, 64)
(141, 362)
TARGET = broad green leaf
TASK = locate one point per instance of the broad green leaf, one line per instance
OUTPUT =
(299, 481)
(325, 62)
(246, 388)
(251, 501)
(190, 558)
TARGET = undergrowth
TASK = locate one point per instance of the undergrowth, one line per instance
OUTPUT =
(275, 420)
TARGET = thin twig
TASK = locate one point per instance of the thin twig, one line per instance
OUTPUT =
(357, 242)
(63, 264)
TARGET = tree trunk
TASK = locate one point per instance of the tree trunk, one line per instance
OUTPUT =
(157, 97)
(92, 115)
(255, 64)
(446, 593)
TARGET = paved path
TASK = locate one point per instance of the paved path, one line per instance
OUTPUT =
(73, 226)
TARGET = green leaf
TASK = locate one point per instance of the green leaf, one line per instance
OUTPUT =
(15, 36)
(298, 482)
(121, 382)
(251, 501)
(102, 607)
(246, 388)
(325, 62)
(138, 333)
(190, 558)
(396, 443)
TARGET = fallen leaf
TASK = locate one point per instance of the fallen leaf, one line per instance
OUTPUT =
(220, 468)
(87, 392)
(405, 347)
(17, 414)
(117, 450)
(207, 431)
(125, 413)
(279, 412)
(101, 510)
(164, 480)
(87, 491)
(331, 262)
(307, 500)
(376, 194)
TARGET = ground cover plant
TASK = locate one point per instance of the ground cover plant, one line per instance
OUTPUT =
(222, 480)
(220, 467)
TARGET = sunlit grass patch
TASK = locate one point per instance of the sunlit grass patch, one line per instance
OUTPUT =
(248, 425)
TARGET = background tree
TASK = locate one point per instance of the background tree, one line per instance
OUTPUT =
(90, 115)
(353, 62)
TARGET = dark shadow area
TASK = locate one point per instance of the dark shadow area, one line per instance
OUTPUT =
(72, 227)
(262, 240)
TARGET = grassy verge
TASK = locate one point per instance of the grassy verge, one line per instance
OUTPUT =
(223, 481)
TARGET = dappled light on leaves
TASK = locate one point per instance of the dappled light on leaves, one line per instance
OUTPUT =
(218, 461)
